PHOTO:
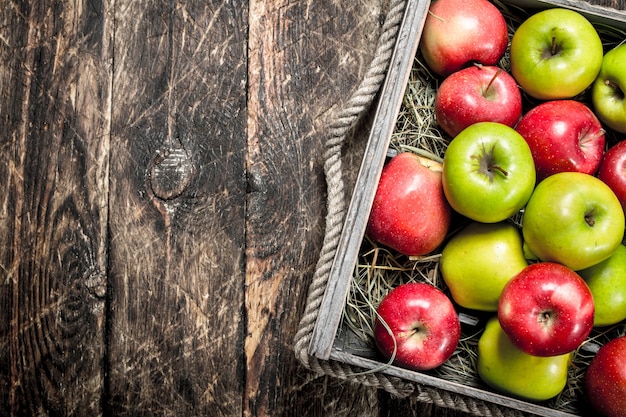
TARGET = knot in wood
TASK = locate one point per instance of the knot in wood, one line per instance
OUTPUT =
(171, 173)
(96, 284)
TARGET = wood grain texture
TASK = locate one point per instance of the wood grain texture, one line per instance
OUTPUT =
(54, 148)
(162, 203)
(177, 208)
(387, 108)
(305, 58)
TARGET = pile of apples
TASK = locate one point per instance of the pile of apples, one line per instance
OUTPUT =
(551, 279)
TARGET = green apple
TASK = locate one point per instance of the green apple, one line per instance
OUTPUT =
(488, 172)
(504, 367)
(607, 282)
(479, 260)
(555, 54)
(607, 92)
(574, 219)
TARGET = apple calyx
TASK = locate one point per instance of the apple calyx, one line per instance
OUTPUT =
(544, 317)
(590, 218)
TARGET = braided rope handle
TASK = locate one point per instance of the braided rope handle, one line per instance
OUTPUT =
(348, 117)
(345, 121)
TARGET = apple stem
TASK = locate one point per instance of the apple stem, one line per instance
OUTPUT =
(436, 17)
(498, 168)
(597, 135)
(407, 334)
(614, 86)
(553, 49)
(498, 72)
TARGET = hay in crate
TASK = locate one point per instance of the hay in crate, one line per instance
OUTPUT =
(380, 269)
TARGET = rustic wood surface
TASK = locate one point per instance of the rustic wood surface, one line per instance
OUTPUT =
(163, 204)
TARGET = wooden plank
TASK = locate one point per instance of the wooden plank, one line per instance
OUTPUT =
(177, 209)
(54, 84)
(305, 58)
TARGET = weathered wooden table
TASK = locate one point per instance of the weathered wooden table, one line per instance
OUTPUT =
(162, 203)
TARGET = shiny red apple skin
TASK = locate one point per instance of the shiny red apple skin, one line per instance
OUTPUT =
(605, 379)
(424, 323)
(563, 135)
(459, 32)
(612, 170)
(410, 212)
(474, 94)
(546, 310)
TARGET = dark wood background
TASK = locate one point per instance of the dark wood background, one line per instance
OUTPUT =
(162, 203)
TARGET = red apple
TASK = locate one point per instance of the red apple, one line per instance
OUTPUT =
(563, 135)
(410, 212)
(460, 32)
(480, 93)
(421, 329)
(612, 171)
(605, 379)
(546, 310)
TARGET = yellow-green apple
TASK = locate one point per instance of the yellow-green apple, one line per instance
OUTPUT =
(416, 326)
(555, 54)
(612, 170)
(457, 33)
(480, 93)
(488, 172)
(607, 92)
(506, 368)
(563, 135)
(478, 261)
(607, 282)
(546, 310)
(574, 219)
(410, 212)
(605, 379)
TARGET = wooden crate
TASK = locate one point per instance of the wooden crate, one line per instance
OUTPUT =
(330, 340)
